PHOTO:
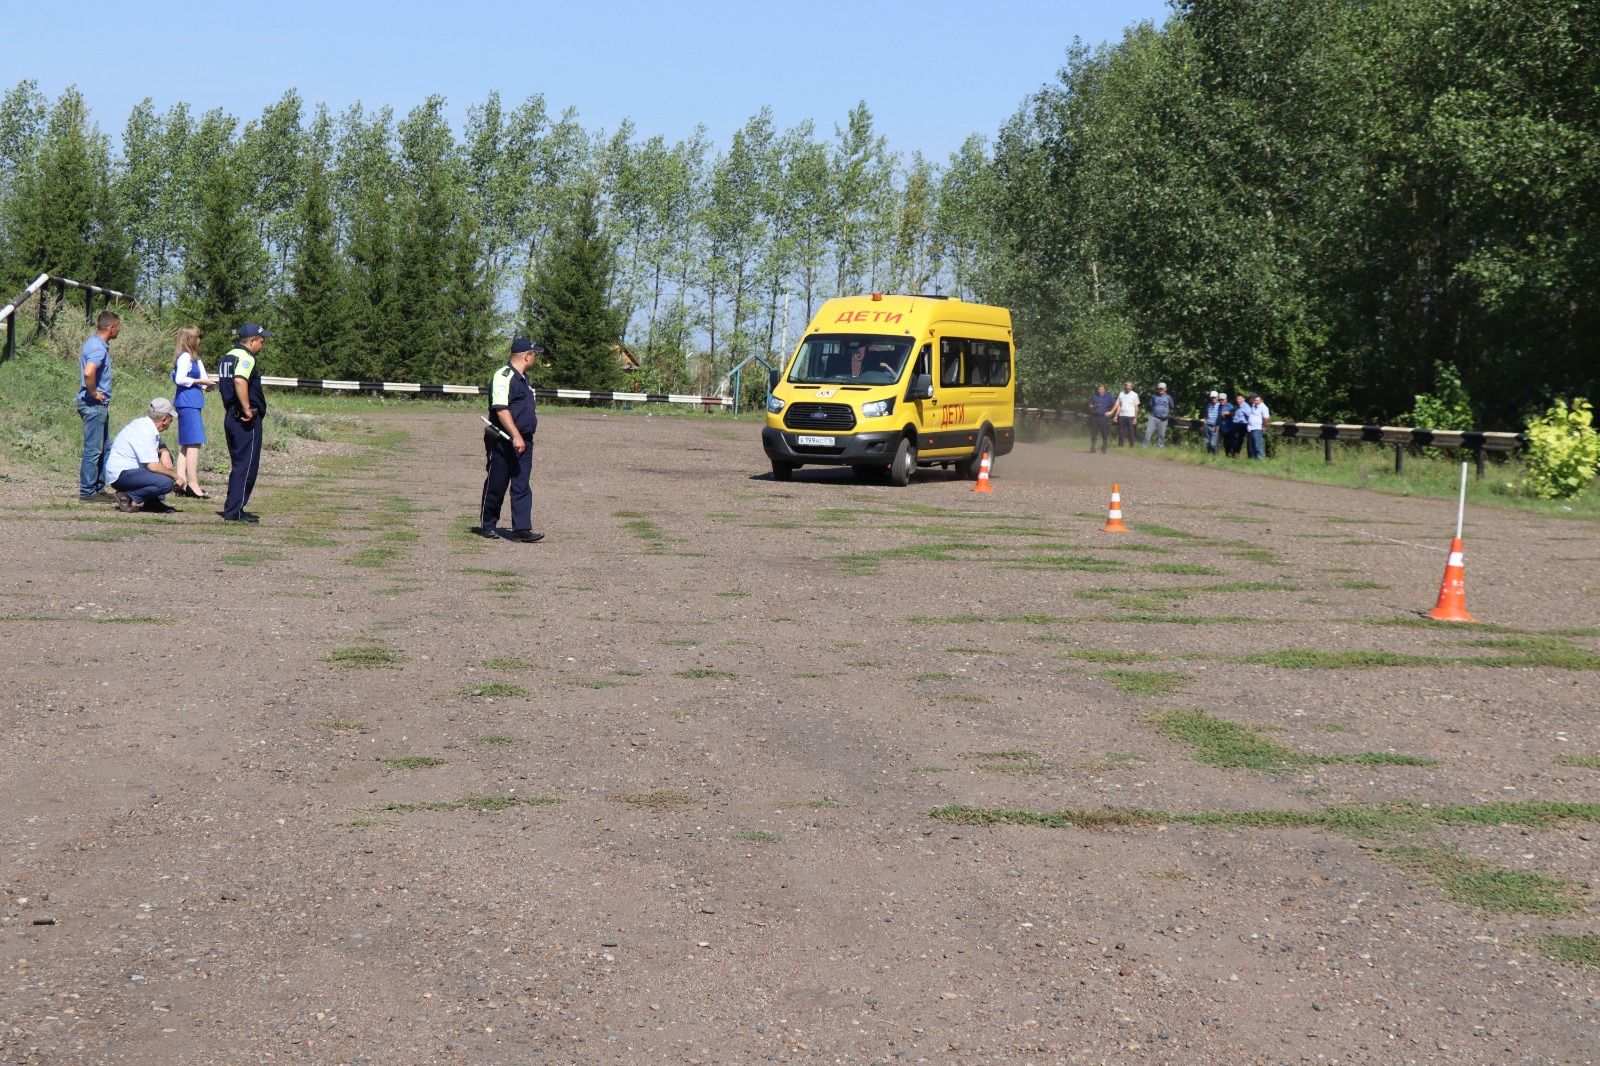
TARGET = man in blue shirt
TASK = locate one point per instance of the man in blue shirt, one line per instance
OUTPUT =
(1160, 411)
(94, 405)
(508, 446)
(1100, 405)
(1258, 419)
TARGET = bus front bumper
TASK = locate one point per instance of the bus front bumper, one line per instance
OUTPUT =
(846, 449)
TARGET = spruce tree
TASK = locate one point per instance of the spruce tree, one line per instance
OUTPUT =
(567, 306)
(225, 272)
(381, 342)
(316, 310)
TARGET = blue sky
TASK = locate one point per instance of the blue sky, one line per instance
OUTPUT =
(931, 72)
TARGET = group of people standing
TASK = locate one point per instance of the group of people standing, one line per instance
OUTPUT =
(136, 468)
(1235, 425)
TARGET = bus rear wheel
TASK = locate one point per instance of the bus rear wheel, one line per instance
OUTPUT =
(783, 471)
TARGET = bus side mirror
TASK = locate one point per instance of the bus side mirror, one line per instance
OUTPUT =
(921, 388)
(772, 379)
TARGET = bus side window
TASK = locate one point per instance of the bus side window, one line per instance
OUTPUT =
(950, 350)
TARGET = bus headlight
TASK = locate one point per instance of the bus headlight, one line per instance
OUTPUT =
(877, 408)
(774, 405)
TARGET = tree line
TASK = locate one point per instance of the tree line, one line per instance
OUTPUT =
(1342, 205)
(396, 247)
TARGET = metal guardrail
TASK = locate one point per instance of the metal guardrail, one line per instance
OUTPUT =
(602, 396)
(8, 313)
(1479, 442)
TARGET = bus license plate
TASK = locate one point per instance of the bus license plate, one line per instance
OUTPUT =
(814, 442)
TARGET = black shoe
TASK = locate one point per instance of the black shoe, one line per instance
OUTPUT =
(96, 497)
(125, 503)
(526, 536)
(244, 517)
(250, 516)
(159, 507)
(486, 532)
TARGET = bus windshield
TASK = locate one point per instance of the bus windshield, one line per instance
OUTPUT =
(850, 359)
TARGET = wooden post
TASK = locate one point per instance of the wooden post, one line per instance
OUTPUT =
(1399, 457)
(11, 335)
(88, 304)
(1477, 454)
(1327, 449)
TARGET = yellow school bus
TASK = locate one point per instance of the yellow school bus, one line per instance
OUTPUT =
(885, 384)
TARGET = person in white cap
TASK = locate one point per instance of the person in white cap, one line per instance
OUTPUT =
(1213, 417)
(139, 466)
(1160, 411)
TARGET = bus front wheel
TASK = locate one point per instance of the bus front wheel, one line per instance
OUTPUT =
(905, 463)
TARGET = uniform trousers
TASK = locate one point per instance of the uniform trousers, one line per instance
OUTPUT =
(244, 446)
(505, 467)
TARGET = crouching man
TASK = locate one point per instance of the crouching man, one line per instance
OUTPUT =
(139, 468)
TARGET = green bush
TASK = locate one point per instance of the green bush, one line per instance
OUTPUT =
(1563, 451)
(1447, 407)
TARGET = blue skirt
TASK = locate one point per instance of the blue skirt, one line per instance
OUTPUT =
(191, 427)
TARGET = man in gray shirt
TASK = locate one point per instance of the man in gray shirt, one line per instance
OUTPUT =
(1160, 411)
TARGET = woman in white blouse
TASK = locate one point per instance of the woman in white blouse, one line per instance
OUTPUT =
(189, 375)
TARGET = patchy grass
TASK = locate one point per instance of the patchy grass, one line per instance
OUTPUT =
(705, 673)
(486, 571)
(1113, 760)
(372, 558)
(983, 619)
(1588, 762)
(934, 677)
(1234, 746)
(1194, 569)
(759, 836)
(933, 769)
(863, 564)
(593, 682)
(1164, 531)
(499, 740)
(679, 642)
(824, 804)
(1188, 619)
(960, 698)
(134, 619)
(495, 690)
(642, 528)
(1582, 949)
(1326, 659)
(1230, 745)
(1146, 682)
(1361, 586)
(1423, 622)
(356, 657)
(247, 557)
(1110, 655)
(1484, 885)
(659, 800)
(413, 762)
(471, 803)
(507, 663)
(1018, 761)
(1374, 820)
(341, 725)
(1535, 651)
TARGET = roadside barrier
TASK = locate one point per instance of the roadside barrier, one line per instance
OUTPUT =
(593, 396)
(8, 313)
(1479, 442)
(1114, 513)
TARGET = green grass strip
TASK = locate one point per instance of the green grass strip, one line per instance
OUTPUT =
(1355, 820)
(1582, 949)
(1493, 888)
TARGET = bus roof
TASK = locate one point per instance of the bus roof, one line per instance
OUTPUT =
(902, 314)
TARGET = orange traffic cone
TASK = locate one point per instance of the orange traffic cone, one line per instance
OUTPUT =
(1114, 518)
(983, 475)
(1452, 605)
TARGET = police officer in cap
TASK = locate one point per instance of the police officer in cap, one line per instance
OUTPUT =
(239, 382)
(508, 445)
